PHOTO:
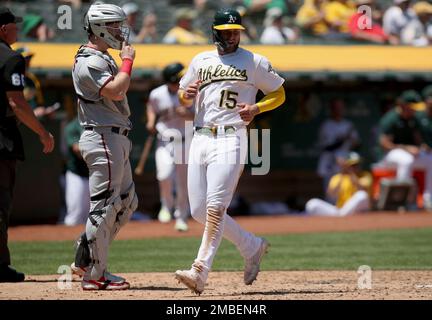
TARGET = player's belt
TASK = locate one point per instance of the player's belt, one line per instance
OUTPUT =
(117, 130)
(213, 131)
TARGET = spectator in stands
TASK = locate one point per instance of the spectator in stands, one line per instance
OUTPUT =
(148, 31)
(400, 139)
(337, 137)
(311, 18)
(75, 3)
(35, 28)
(415, 33)
(183, 32)
(337, 15)
(397, 17)
(33, 89)
(250, 34)
(275, 32)
(350, 189)
(263, 5)
(425, 119)
(364, 27)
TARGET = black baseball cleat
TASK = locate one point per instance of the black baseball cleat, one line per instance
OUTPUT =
(8, 274)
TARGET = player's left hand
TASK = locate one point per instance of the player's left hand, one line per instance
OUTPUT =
(247, 111)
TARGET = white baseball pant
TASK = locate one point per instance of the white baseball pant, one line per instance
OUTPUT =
(167, 172)
(215, 166)
(77, 196)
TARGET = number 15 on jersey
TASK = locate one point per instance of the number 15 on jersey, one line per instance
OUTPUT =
(228, 99)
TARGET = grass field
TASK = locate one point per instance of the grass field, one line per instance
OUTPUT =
(389, 249)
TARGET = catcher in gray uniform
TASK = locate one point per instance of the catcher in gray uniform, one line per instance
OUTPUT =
(103, 111)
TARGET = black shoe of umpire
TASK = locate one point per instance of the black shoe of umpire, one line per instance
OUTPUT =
(8, 274)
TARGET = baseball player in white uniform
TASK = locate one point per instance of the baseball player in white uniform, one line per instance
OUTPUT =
(350, 188)
(166, 116)
(337, 137)
(223, 84)
(103, 111)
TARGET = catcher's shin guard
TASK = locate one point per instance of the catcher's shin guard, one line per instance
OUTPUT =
(98, 229)
(129, 205)
(82, 255)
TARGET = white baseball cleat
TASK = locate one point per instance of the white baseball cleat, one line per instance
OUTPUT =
(252, 265)
(164, 215)
(191, 279)
(107, 282)
(180, 225)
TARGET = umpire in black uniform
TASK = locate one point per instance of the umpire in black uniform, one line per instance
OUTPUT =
(13, 108)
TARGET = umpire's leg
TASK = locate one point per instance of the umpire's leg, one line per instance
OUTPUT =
(7, 181)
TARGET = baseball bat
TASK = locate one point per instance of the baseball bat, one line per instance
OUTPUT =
(144, 155)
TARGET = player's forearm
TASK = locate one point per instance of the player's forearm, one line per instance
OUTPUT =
(386, 143)
(24, 112)
(272, 100)
(117, 88)
(151, 118)
(76, 150)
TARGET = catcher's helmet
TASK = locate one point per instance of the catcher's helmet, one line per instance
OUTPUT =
(97, 18)
(225, 19)
(173, 72)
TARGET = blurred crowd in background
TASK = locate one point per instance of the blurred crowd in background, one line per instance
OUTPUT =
(271, 22)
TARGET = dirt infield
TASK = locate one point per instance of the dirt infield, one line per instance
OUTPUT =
(274, 285)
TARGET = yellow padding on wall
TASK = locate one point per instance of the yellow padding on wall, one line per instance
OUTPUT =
(283, 58)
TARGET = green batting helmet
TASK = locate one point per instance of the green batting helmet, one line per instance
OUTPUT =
(173, 72)
(227, 19)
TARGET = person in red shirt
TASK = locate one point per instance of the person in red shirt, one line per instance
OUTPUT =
(362, 25)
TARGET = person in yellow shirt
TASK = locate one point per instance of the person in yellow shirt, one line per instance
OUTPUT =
(311, 17)
(351, 188)
(338, 13)
(183, 32)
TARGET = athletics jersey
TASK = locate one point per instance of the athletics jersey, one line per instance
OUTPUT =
(92, 71)
(164, 103)
(227, 80)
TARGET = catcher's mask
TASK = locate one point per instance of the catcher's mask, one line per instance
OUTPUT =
(173, 72)
(108, 22)
(225, 19)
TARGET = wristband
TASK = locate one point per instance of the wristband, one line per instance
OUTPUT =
(183, 99)
(127, 66)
